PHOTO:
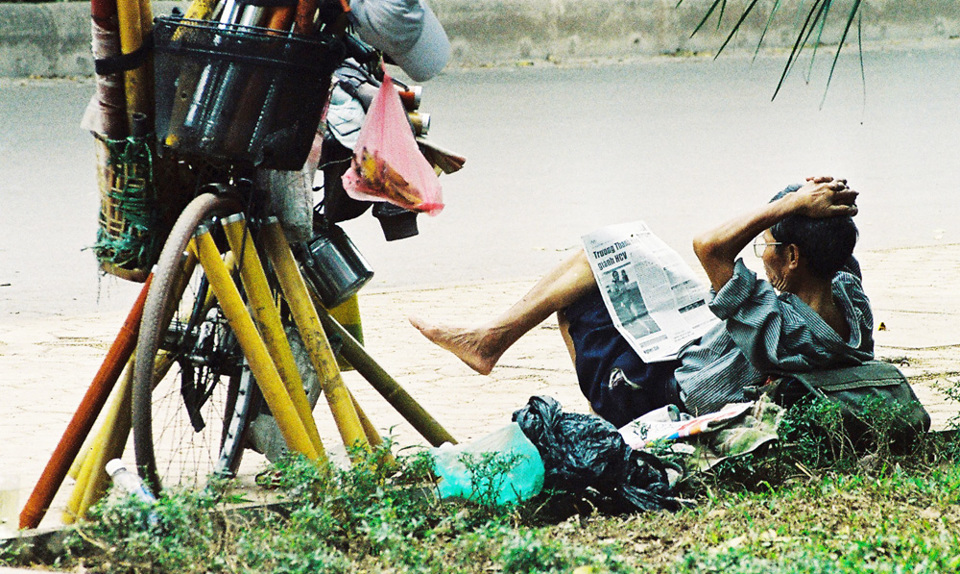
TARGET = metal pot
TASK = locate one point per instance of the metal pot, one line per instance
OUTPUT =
(334, 266)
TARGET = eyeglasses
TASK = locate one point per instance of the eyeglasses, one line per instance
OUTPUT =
(759, 245)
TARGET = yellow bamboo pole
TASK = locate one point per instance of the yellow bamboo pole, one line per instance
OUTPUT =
(348, 315)
(114, 441)
(72, 510)
(136, 85)
(198, 10)
(387, 386)
(265, 372)
(146, 29)
(373, 435)
(92, 480)
(311, 331)
(146, 17)
(74, 471)
(109, 443)
(266, 316)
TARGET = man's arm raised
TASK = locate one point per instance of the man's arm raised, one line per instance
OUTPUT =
(717, 248)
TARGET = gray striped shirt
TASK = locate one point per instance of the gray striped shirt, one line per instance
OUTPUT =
(763, 332)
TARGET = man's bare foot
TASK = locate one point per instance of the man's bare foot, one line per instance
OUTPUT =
(469, 345)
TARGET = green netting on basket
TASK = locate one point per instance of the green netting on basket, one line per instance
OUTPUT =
(128, 236)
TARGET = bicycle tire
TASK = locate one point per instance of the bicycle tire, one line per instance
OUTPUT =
(170, 449)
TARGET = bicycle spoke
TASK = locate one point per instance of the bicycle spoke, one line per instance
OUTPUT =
(181, 419)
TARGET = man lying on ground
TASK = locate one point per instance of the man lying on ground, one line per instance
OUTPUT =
(810, 313)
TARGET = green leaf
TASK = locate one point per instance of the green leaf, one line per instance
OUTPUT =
(766, 27)
(737, 27)
(810, 31)
(705, 17)
(824, 11)
(850, 17)
(797, 46)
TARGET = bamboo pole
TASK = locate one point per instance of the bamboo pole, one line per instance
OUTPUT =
(88, 467)
(267, 318)
(198, 10)
(348, 315)
(71, 513)
(387, 386)
(311, 331)
(86, 415)
(305, 16)
(84, 451)
(146, 29)
(280, 18)
(265, 372)
(136, 83)
(373, 435)
(109, 443)
(110, 100)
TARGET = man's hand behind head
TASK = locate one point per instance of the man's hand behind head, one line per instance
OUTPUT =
(824, 196)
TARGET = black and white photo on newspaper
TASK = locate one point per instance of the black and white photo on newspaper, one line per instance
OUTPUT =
(653, 296)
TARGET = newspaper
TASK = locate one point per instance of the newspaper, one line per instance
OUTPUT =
(652, 295)
(663, 425)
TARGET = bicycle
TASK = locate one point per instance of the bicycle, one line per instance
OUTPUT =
(186, 329)
(193, 385)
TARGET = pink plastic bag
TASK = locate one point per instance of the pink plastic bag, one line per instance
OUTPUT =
(387, 164)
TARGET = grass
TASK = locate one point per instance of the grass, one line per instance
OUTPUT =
(805, 508)
(902, 522)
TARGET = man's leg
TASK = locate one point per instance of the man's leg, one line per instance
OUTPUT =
(564, 325)
(481, 347)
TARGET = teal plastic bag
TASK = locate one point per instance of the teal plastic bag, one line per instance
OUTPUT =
(501, 468)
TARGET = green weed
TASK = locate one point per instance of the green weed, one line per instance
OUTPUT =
(810, 505)
(528, 552)
(379, 515)
(181, 530)
(488, 474)
(9, 553)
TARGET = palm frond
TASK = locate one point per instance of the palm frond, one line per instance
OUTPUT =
(766, 27)
(863, 73)
(802, 38)
(737, 27)
(705, 17)
(824, 12)
(723, 8)
(810, 32)
(846, 29)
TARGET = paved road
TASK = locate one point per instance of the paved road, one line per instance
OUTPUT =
(552, 153)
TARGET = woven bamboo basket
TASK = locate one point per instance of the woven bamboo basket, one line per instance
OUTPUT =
(139, 202)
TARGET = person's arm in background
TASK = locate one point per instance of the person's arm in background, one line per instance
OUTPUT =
(717, 249)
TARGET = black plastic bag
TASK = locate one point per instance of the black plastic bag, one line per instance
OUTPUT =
(582, 452)
(337, 205)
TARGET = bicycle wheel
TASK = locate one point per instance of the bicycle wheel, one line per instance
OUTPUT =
(191, 392)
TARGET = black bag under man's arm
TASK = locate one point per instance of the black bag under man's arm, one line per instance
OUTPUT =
(874, 398)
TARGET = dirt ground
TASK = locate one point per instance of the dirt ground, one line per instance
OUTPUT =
(47, 363)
